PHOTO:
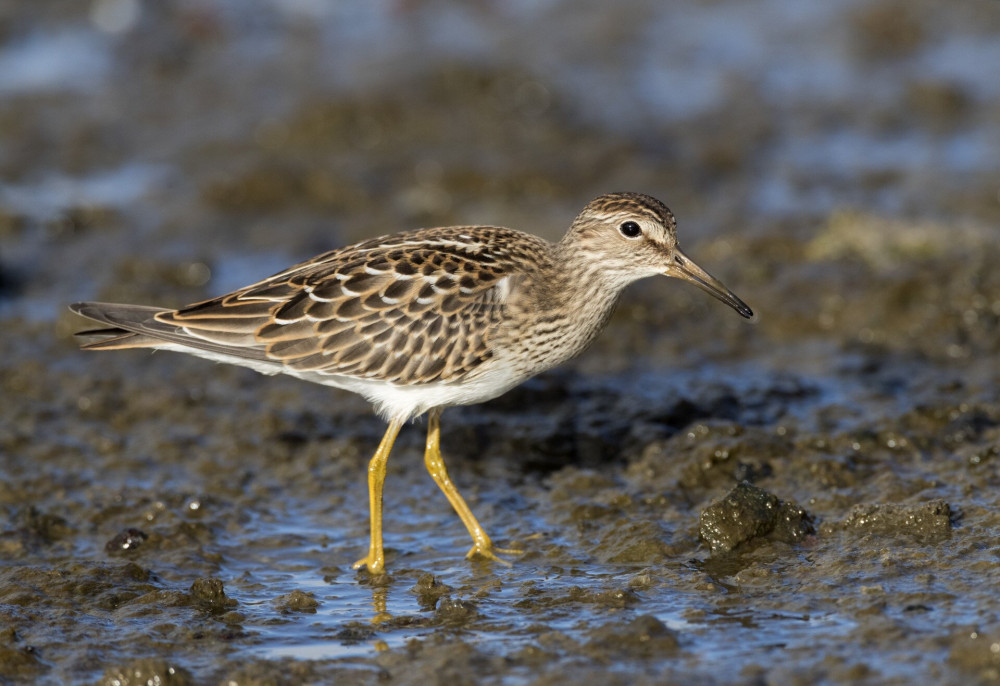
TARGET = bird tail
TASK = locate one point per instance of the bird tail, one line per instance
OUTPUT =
(126, 325)
(137, 326)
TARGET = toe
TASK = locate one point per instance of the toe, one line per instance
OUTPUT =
(509, 551)
(490, 553)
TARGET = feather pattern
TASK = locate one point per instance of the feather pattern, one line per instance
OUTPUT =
(414, 308)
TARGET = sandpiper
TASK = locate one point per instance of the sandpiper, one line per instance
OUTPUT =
(420, 321)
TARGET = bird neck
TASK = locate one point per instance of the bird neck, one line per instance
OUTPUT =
(574, 288)
(582, 279)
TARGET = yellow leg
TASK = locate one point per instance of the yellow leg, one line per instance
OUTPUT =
(482, 545)
(375, 560)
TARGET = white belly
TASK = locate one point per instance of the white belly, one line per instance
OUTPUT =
(390, 400)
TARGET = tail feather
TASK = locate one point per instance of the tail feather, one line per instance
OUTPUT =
(123, 319)
(115, 314)
(136, 326)
(116, 339)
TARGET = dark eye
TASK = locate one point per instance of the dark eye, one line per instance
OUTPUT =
(630, 230)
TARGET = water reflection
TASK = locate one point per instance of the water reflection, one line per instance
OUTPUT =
(380, 600)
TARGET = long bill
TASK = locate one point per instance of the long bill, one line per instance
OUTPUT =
(683, 268)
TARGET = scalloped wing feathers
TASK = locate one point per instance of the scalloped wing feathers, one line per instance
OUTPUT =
(408, 309)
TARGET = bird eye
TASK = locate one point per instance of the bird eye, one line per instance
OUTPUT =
(630, 229)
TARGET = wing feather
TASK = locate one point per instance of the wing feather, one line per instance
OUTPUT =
(408, 309)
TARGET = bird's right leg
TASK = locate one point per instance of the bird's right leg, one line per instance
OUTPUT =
(375, 560)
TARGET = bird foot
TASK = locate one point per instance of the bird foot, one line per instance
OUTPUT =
(490, 553)
(374, 564)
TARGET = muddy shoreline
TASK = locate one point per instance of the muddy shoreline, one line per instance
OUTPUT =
(810, 498)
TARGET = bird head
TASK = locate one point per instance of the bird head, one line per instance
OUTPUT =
(629, 236)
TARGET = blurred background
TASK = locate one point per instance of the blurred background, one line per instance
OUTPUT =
(172, 151)
(836, 164)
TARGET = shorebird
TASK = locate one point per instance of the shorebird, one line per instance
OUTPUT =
(423, 320)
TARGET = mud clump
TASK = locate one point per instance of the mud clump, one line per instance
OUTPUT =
(606, 599)
(633, 543)
(642, 638)
(748, 513)
(429, 591)
(353, 633)
(211, 595)
(297, 601)
(923, 521)
(456, 612)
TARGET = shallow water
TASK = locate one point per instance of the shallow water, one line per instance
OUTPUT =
(811, 498)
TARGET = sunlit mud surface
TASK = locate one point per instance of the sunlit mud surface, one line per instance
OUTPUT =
(810, 498)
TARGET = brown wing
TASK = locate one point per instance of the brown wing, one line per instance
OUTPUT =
(411, 308)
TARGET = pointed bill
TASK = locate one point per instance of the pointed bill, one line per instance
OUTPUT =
(682, 267)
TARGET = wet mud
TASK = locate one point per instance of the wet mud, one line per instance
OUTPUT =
(811, 498)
